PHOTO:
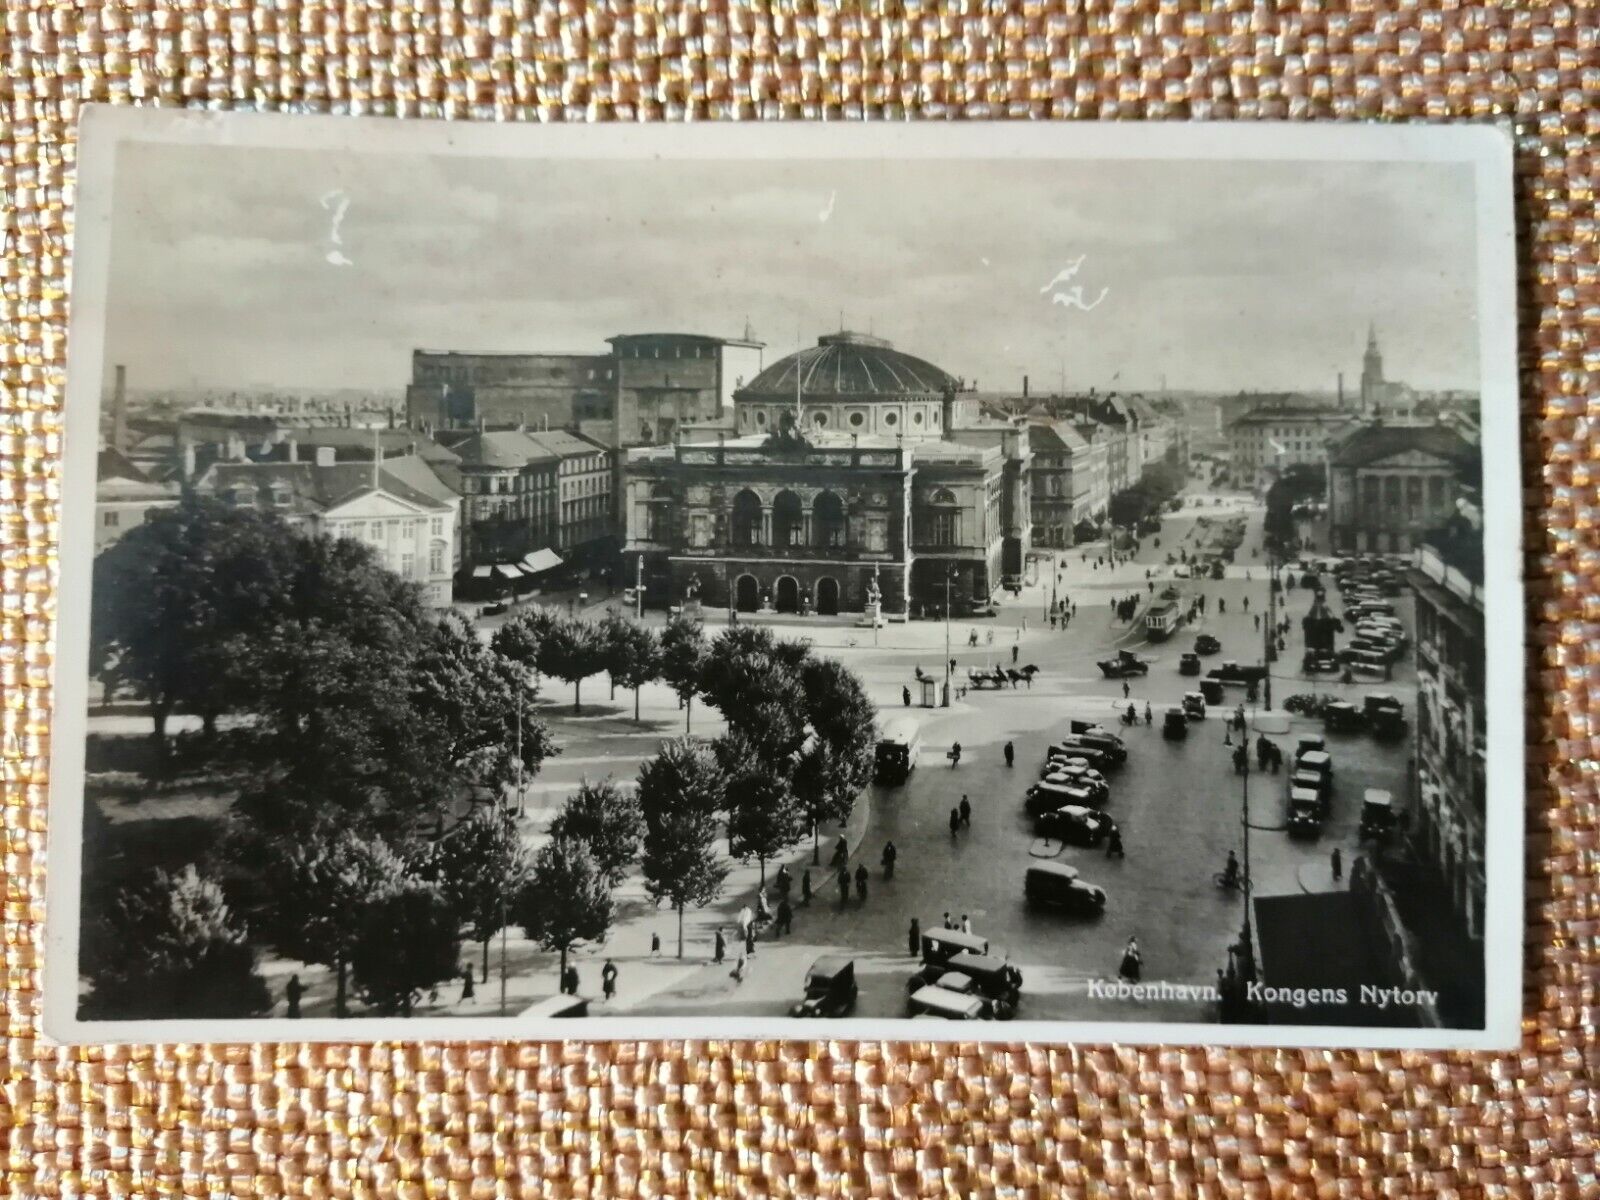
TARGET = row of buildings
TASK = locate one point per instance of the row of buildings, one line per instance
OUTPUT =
(1395, 463)
(845, 467)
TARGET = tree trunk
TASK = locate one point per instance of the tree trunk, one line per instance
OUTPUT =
(636, 692)
(761, 861)
(688, 706)
(339, 1007)
(158, 718)
(486, 942)
(577, 695)
(816, 843)
(612, 679)
(563, 967)
(208, 723)
(680, 929)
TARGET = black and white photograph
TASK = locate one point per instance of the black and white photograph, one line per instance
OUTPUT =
(936, 582)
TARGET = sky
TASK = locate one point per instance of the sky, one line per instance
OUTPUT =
(247, 268)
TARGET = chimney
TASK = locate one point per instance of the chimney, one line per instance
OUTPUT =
(186, 451)
(324, 456)
(1341, 389)
(1024, 387)
(292, 447)
(119, 411)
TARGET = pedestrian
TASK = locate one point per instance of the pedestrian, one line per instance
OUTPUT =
(889, 855)
(955, 823)
(955, 754)
(782, 881)
(861, 882)
(966, 923)
(785, 917)
(573, 980)
(972, 636)
(965, 808)
(294, 989)
(1338, 865)
(841, 851)
(1222, 604)
(1241, 759)
(914, 938)
(469, 986)
(1257, 619)
(750, 942)
(746, 920)
(763, 909)
(905, 696)
(1132, 961)
(738, 970)
(844, 886)
(988, 636)
(1114, 844)
(1011, 754)
(608, 980)
(719, 947)
(655, 944)
(1149, 717)
(1013, 655)
(952, 666)
(805, 888)
(1124, 689)
(1247, 598)
(948, 923)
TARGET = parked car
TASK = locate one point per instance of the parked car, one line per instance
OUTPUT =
(1175, 724)
(1342, 717)
(1305, 812)
(830, 988)
(981, 974)
(1213, 691)
(1057, 885)
(1074, 823)
(1044, 796)
(1103, 740)
(1205, 643)
(1188, 664)
(1081, 775)
(940, 945)
(949, 1005)
(1077, 747)
(1125, 664)
(1378, 817)
(1386, 716)
(1315, 663)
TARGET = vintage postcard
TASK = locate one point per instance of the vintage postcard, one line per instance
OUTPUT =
(947, 581)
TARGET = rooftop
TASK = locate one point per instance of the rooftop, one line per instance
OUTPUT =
(1374, 441)
(507, 449)
(850, 365)
(313, 489)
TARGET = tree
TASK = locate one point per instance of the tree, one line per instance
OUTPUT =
(753, 679)
(764, 818)
(467, 699)
(609, 820)
(521, 638)
(168, 947)
(837, 763)
(571, 651)
(567, 899)
(683, 650)
(170, 596)
(321, 884)
(480, 868)
(631, 653)
(407, 942)
(680, 791)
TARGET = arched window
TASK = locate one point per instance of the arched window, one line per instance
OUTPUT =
(788, 519)
(661, 505)
(827, 520)
(747, 519)
(942, 520)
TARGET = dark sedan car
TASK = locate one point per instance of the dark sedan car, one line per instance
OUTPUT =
(1188, 664)
(1075, 824)
(1206, 644)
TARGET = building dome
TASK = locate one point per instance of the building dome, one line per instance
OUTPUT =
(853, 366)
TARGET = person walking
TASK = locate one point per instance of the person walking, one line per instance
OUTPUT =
(1337, 862)
(782, 881)
(844, 886)
(1132, 961)
(955, 755)
(948, 922)
(955, 823)
(1149, 717)
(805, 888)
(889, 855)
(294, 989)
(905, 695)
(965, 808)
(861, 882)
(738, 970)
(750, 942)
(966, 923)
(1125, 689)
(719, 947)
(841, 851)
(1011, 754)
(469, 985)
(1114, 844)
(1013, 654)
(785, 916)
(914, 938)
(608, 980)
(655, 945)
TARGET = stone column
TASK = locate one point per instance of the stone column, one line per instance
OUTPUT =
(766, 524)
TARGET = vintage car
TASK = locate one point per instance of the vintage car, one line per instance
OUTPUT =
(1386, 716)
(1342, 717)
(1306, 808)
(974, 974)
(940, 945)
(1075, 823)
(1057, 885)
(1188, 663)
(1213, 691)
(1378, 816)
(1194, 706)
(1126, 663)
(935, 1001)
(1044, 796)
(1103, 740)
(1318, 663)
(1074, 747)
(1319, 763)
(1232, 671)
(1205, 643)
(1077, 775)
(830, 988)
(1174, 724)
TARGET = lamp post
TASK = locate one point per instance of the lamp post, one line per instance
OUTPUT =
(945, 700)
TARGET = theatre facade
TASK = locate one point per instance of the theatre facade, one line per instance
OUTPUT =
(851, 469)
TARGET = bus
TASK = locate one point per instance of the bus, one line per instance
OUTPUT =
(899, 745)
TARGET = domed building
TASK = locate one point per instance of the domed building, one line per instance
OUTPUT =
(851, 469)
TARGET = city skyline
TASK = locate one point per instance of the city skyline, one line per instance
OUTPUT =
(306, 270)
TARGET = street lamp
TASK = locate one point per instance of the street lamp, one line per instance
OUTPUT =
(948, 573)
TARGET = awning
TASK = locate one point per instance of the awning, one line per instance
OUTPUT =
(541, 560)
(506, 571)
(482, 572)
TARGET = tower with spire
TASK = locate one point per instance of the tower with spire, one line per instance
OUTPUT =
(1371, 374)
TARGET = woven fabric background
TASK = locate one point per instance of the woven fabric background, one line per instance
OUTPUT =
(459, 1121)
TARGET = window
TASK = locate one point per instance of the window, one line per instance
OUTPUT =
(819, 419)
(408, 565)
(891, 418)
(436, 526)
(857, 420)
(916, 417)
(761, 418)
(436, 561)
(111, 520)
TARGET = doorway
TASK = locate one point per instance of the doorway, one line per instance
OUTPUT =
(787, 598)
(828, 596)
(746, 594)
